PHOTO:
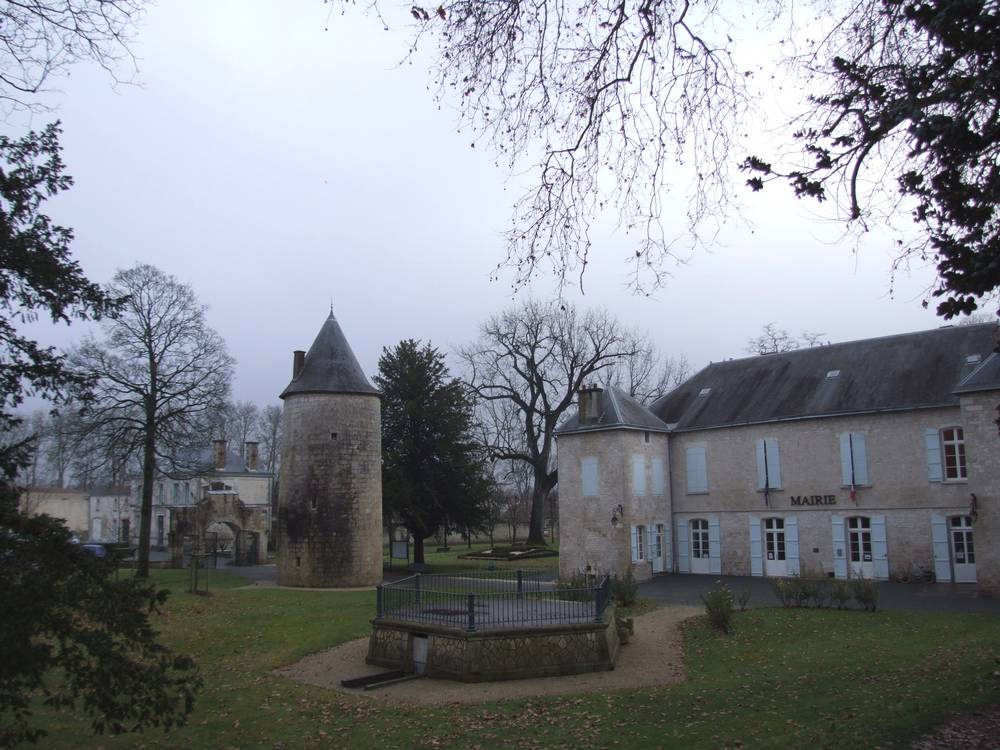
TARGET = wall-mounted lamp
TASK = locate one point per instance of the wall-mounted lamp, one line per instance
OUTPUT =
(616, 515)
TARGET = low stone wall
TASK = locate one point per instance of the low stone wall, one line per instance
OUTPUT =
(510, 654)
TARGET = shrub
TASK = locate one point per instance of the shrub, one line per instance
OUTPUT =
(784, 590)
(840, 593)
(865, 593)
(575, 587)
(719, 608)
(624, 589)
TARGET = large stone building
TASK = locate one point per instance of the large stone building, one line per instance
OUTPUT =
(330, 494)
(876, 458)
(212, 469)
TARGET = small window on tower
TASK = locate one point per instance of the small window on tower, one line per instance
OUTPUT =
(333, 436)
(313, 503)
(298, 561)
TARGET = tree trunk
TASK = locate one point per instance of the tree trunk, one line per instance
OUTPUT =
(539, 491)
(418, 550)
(146, 509)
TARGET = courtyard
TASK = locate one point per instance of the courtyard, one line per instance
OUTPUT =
(784, 678)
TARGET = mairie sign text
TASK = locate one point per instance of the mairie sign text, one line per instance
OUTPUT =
(814, 499)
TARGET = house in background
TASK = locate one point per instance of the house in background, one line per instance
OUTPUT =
(877, 458)
(215, 469)
(110, 514)
(72, 506)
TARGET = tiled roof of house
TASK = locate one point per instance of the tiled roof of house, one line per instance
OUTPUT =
(330, 366)
(906, 371)
(618, 411)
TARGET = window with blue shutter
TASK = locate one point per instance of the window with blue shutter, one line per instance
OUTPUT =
(932, 447)
(697, 469)
(638, 475)
(853, 460)
(659, 486)
(768, 464)
(588, 476)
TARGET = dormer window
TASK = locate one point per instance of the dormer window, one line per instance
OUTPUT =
(832, 374)
(704, 391)
(973, 359)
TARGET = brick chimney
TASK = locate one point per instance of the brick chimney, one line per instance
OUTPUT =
(298, 360)
(589, 403)
(219, 454)
(251, 455)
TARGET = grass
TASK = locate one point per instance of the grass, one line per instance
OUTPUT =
(783, 679)
(451, 562)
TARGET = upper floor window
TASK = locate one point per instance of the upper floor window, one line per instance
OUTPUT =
(638, 475)
(853, 459)
(696, 469)
(945, 454)
(768, 465)
(588, 476)
(659, 485)
(953, 448)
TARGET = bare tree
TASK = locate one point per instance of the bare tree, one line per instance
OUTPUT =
(42, 38)
(525, 369)
(270, 436)
(157, 375)
(646, 375)
(773, 340)
(246, 422)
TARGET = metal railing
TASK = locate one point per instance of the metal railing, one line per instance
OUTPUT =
(489, 601)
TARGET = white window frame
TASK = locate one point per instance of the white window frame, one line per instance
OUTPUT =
(640, 543)
(957, 445)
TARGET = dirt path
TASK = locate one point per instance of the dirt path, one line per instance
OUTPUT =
(652, 657)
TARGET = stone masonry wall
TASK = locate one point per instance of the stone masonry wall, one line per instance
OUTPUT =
(330, 494)
(587, 537)
(810, 465)
(979, 410)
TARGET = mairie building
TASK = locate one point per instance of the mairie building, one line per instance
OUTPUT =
(877, 458)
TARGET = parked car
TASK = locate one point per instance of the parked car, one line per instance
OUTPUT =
(95, 549)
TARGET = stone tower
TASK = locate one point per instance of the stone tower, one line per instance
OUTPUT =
(330, 493)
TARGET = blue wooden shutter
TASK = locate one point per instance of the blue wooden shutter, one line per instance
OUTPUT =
(588, 476)
(756, 548)
(761, 470)
(839, 548)
(667, 551)
(942, 554)
(697, 471)
(638, 475)
(845, 458)
(880, 553)
(860, 458)
(792, 546)
(658, 484)
(650, 541)
(714, 551)
(932, 444)
(773, 463)
(635, 544)
(683, 548)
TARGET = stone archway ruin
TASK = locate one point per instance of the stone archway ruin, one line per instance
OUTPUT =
(248, 523)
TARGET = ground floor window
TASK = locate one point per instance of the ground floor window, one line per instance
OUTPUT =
(699, 539)
(860, 539)
(961, 540)
(774, 538)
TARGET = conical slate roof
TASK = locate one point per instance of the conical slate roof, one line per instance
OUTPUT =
(330, 366)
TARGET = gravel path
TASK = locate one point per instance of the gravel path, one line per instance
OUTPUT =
(652, 657)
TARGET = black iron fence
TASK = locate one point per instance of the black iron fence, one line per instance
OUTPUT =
(491, 600)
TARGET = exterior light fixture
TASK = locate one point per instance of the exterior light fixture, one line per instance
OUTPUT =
(616, 515)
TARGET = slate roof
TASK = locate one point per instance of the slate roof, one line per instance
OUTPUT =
(986, 377)
(330, 366)
(618, 411)
(906, 371)
(201, 462)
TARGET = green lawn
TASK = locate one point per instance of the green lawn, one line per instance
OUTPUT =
(784, 679)
(451, 562)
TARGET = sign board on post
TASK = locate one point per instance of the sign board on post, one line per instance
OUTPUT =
(399, 550)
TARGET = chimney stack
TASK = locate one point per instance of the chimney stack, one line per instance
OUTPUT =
(219, 453)
(298, 361)
(589, 403)
(251, 454)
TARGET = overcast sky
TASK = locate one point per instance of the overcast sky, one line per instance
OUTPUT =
(275, 157)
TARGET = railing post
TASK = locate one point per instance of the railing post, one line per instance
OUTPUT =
(599, 603)
(416, 585)
(520, 584)
(472, 613)
(379, 611)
